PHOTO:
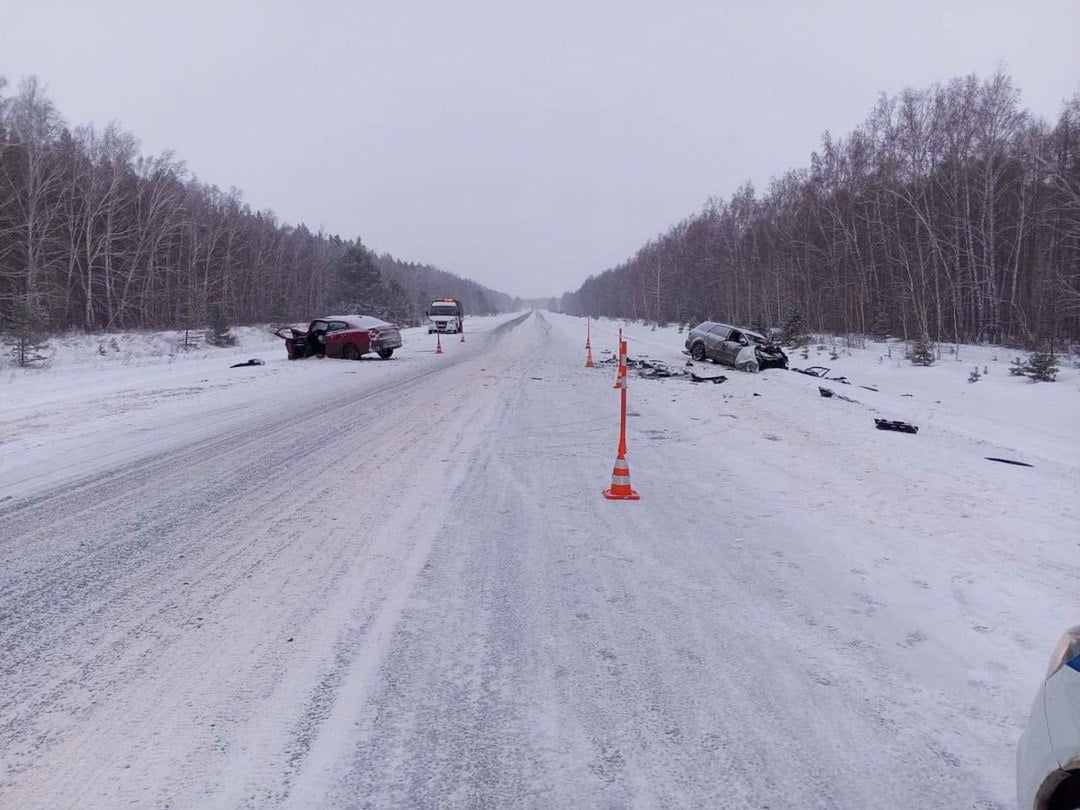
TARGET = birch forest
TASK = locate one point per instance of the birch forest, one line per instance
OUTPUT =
(98, 237)
(951, 214)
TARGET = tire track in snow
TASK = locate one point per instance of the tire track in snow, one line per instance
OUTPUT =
(206, 595)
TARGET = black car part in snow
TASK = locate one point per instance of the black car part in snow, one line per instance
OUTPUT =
(1009, 461)
(900, 427)
(829, 393)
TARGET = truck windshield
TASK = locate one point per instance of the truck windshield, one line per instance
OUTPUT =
(444, 309)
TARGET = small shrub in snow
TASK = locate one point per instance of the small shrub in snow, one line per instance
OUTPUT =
(218, 334)
(974, 376)
(25, 328)
(922, 352)
(793, 331)
(1039, 366)
(1042, 367)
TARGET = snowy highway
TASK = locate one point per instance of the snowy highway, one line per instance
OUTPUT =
(396, 584)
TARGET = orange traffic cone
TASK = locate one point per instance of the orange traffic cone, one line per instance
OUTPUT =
(588, 358)
(620, 483)
(620, 476)
(620, 378)
(438, 343)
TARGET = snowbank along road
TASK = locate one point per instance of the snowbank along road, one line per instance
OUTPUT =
(396, 583)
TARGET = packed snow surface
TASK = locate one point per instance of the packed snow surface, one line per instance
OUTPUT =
(324, 583)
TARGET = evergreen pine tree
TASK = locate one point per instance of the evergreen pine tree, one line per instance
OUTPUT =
(880, 327)
(922, 352)
(26, 330)
(482, 305)
(357, 283)
(1042, 367)
(793, 332)
(760, 324)
(398, 307)
(218, 333)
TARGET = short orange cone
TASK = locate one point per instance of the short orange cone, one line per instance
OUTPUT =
(620, 483)
(438, 343)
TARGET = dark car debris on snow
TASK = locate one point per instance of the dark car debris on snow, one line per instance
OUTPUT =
(655, 370)
(254, 361)
(900, 427)
(1009, 461)
(829, 393)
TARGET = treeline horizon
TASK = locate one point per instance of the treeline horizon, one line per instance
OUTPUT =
(98, 237)
(951, 214)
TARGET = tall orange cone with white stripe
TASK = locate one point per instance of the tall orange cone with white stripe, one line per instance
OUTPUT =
(588, 347)
(438, 342)
(620, 377)
(620, 477)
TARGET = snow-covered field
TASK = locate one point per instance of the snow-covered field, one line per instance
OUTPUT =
(395, 583)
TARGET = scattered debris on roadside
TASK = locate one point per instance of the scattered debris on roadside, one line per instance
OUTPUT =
(900, 427)
(828, 393)
(714, 380)
(814, 371)
(254, 361)
(1009, 461)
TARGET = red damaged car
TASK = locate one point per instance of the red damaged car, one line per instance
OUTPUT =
(346, 336)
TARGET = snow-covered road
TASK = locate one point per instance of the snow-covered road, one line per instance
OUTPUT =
(404, 589)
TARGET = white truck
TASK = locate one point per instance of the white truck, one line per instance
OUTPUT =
(445, 315)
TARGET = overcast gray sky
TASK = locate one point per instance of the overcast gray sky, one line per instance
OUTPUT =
(524, 146)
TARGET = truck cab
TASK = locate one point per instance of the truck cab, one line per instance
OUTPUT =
(445, 315)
